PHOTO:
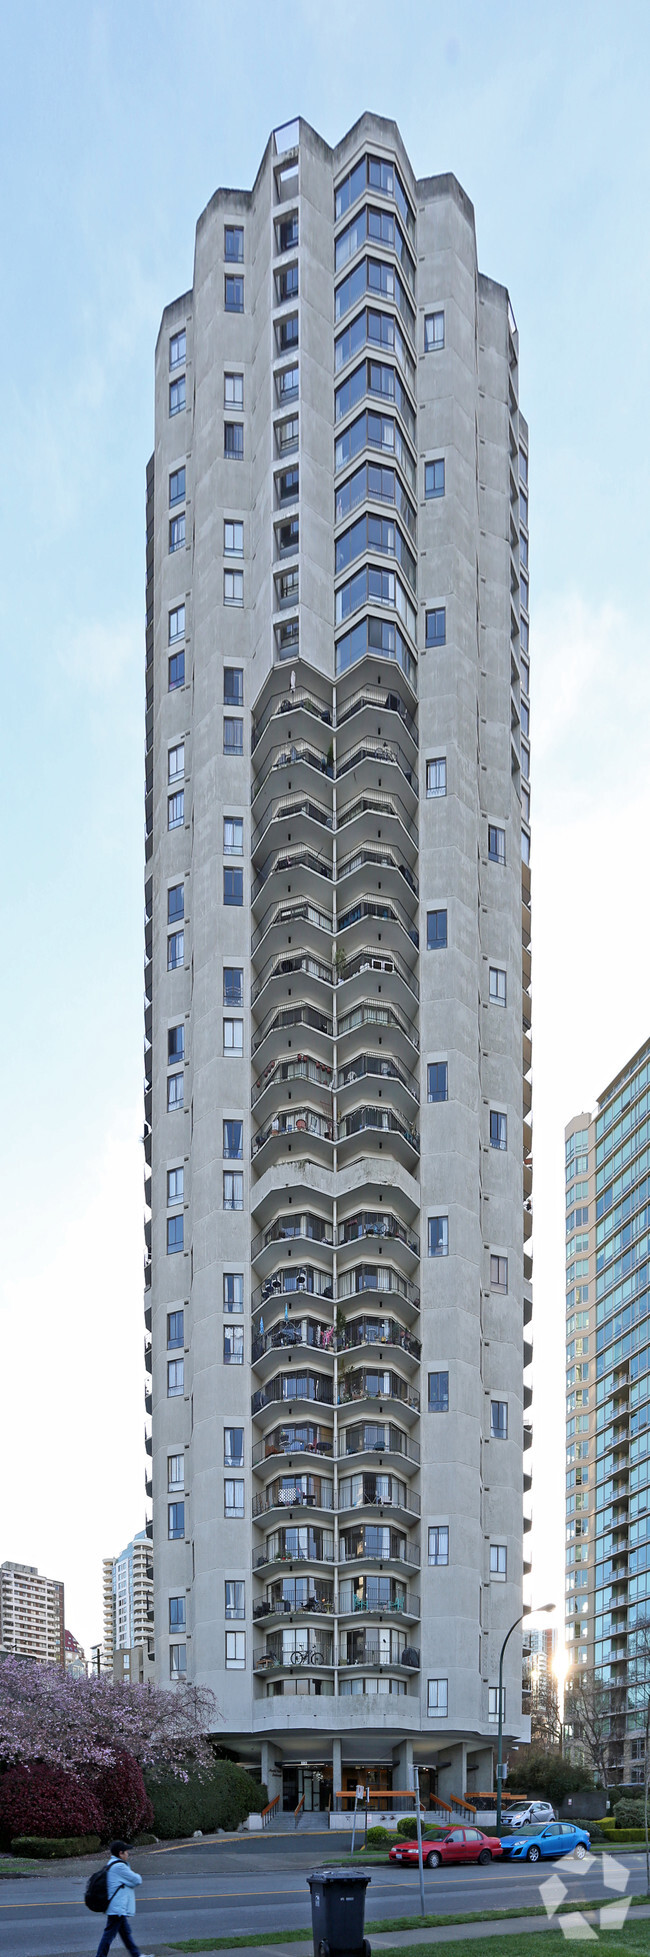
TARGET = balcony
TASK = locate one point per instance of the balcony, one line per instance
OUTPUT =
(295, 1650)
(381, 1441)
(274, 1079)
(360, 1383)
(296, 1438)
(378, 1332)
(378, 1227)
(360, 1648)
(383, 1492)
(300, 1544)
(294, 1491)
(311, 926)
(299, 755)
(306, 816)
(299, 702)
(307, 1332)
(303, 1227)
(298, 1131)
(377, 1543)
(304, 866)
(379, 1128)
(369, 753)
(378, 857)
(294, 1286)
(370, 1020)
(311, 974)
(297, 1595)
(379, 816)
(369, 701)
(316, 1388)
(397, 933)
(377, 1596)
(381, 1281)
(389, 972)
(278, 1030)
(376, 1066)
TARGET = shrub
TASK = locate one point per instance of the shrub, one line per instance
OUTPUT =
(408, 1827)
(46, 1801)
(547, 1774)
(221, 1799)
(122, 1796)
(377, 1836)
(49, 1845)
(629, 1814)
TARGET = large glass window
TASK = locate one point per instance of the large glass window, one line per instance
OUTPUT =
(233, 686)
(438, 1392)
(438, 1236)
(233, 985)
(497, 986)
(434, 332)
(235, 1651)
(233, 539)
(177, 486)
(233, 887)
(233, 1345)
(434, 479)
(233, 293)
(174, 1235)
(177, 348)
(175, 1378)
(437, 776)
(499, 1420)
(438, 1546)
(175, 1325)
(436, 930)
(233, 440)
(233, 1141)
(436, 626)
(233, 243)
(175, 1520)
(437, 1080)
(235, 1599)
(233, 1291)
(437, 1689)
(233, 1190)
(234, 1500)
(177, 395)
(233, 736)
(233, 1447)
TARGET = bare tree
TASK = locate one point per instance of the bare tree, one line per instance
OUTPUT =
(545, 1721)
(589, 1710)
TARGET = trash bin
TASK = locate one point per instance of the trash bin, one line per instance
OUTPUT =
(338, 1903)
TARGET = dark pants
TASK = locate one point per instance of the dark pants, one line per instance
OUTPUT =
(115, 1924)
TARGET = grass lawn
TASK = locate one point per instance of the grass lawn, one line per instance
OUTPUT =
(16, 1865)
(618, 1943)
(632, 1939)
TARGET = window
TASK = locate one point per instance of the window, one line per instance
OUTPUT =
(177, 395)
(175, 903)
(176, 762)
(233, 736)
(434, 478)
(493, 1702)
(497, 986)
(438, 1236)
(498, 1129)
(437, 1080)
(288, 383)
(436, 626)
(434, 332)
(234, 1499)
(174, 1092)
(177, 1613)
(233, 1190)
(437, 1698)
(233, 242)
(176, 671)
(436, 930)
(233, 441)
(175, 1049)
(525, 846)
(233, 1291)
(176, 810)
(175, 1378)
(288, 536)
(233, 539)
(233, 1036)
(287, 485)
(233, 390)
(438, 1546)
(437, 776)
(233, 1141)
(175, 1472)
(498, 1561)
(233, 686)
(233, 835)
(499, 1420)
(438, 1392)
(235, 1651)
(177, 348)
(176, 1512)
(177, 486)
(233, 886)
(233, 1448)
(177, 532)
(498, 1273)
(177, 1660)
(175, 1326)
(233, 1345)
(496, 844)
(177, 623)
(288, 232)
(288, 333)
(233, 587)
(174, 1235)
(233, 293)
(175, 950)
(287, 283)
(233, 985)
(235, 1599)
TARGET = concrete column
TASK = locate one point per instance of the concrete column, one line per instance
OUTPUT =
(451, 1772)
(271, 1757)
(403, 1775)
(482, 1779)
(336, 1768)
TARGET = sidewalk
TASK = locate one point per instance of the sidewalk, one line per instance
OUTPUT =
(514, 1926)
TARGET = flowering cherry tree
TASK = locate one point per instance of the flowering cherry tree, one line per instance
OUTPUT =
(84, 1724)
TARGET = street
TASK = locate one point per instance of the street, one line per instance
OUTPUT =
(242, 1886)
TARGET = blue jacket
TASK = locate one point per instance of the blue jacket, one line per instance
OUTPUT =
(121, 1882)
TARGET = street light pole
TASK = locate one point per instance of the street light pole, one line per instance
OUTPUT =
(526, 1612)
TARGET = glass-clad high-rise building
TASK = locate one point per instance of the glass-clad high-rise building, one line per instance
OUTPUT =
(337, 1101)
(608, 1416)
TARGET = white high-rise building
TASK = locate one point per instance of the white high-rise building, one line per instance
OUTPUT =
(337, 974)
(128, 1646)
(31, 1614)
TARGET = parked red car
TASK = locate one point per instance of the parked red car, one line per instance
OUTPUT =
(458, 1845)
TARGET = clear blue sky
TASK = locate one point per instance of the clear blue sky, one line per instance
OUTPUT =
(117, 123)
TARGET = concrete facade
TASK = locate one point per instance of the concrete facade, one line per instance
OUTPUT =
(607, 1167)
(31, 1614)
(337, 973)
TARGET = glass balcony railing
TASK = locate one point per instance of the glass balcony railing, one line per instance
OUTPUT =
(289, 916)
(381, 910)
(380, 1279)
(378, 699)
(299, 752)
(278, 968)
(286, 808)
(305, 1281)
(379, 858)
(377, 1331)
(375, 803)
(389, 753)
(368, 1013)
(291, 1333)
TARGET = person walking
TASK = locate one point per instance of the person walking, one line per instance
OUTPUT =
(121, 1883)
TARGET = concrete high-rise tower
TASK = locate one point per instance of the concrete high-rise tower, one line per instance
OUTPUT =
(337, 970)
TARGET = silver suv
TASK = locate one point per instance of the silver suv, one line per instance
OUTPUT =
(532, 1814)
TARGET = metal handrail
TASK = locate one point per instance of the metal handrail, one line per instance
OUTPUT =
(275, 1497)
(410, 1662)
(387, 702)
(281, 967)
(274, 1390)
(382, 1120)
(289, 758)
(289, 703)
(291, 805)
(406, 1553)
(302, 1068)
(379, 750)
(273, 1288)
(270, 1447)
(374, 802)
(303, 1121)
(385, 910)
(380, 855)
(269, 1555)
(369, 1013)
(370, 960)
(292, 859)
(392, 1283)
(279, 1232)
(290, 1335)
(377, 1065)
(289, 1016)
(376, 1224)
(396, 1390)
(301, 911)
(407, 1504)
(269, 1810)
(396, 1336)
(397, 1443)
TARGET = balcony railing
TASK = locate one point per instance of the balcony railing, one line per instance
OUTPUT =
(374, 1655)
(376, 1491)
(301, 1284)
(377, 1331)
(290, 757)
(377, 1223)
(374, 802)
(314, 1552)
(308, 1333)
(373, 1594)
(304, 1439)
(287, 967)
(378, 698)
(289, 702)
(381, 911)
(376, 1065)
(300, 1594)
(378, 1279)
(294, 1386)
(279, 1071)
(371, 1437)
(370, 960)
(362, 1384)
(286, 808)
(301, 1491)
(293, 1121)
(368, 1013)
(317, 1652)
(282, 860)
(379, 858)
(384, 1545)
(389, 753)
(383, 1120)
(289, 915)
(289, 1016)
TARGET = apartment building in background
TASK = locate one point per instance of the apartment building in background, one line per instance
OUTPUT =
(31, 1614)
(128, 1645)
(337, 975)
(607, 1158)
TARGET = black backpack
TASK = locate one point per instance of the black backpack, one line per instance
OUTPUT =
(96, 1893)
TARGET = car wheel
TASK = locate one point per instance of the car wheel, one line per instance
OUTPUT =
(533, 1854)
(579, 1852)
(433, 1861)
(484, 1857)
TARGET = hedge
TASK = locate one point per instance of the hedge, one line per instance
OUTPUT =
(53, 1845)
(377, 1836)
(46, 1801)
(122, 1797)
(221, 1799)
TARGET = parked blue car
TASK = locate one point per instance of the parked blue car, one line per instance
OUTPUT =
(539, 1844)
